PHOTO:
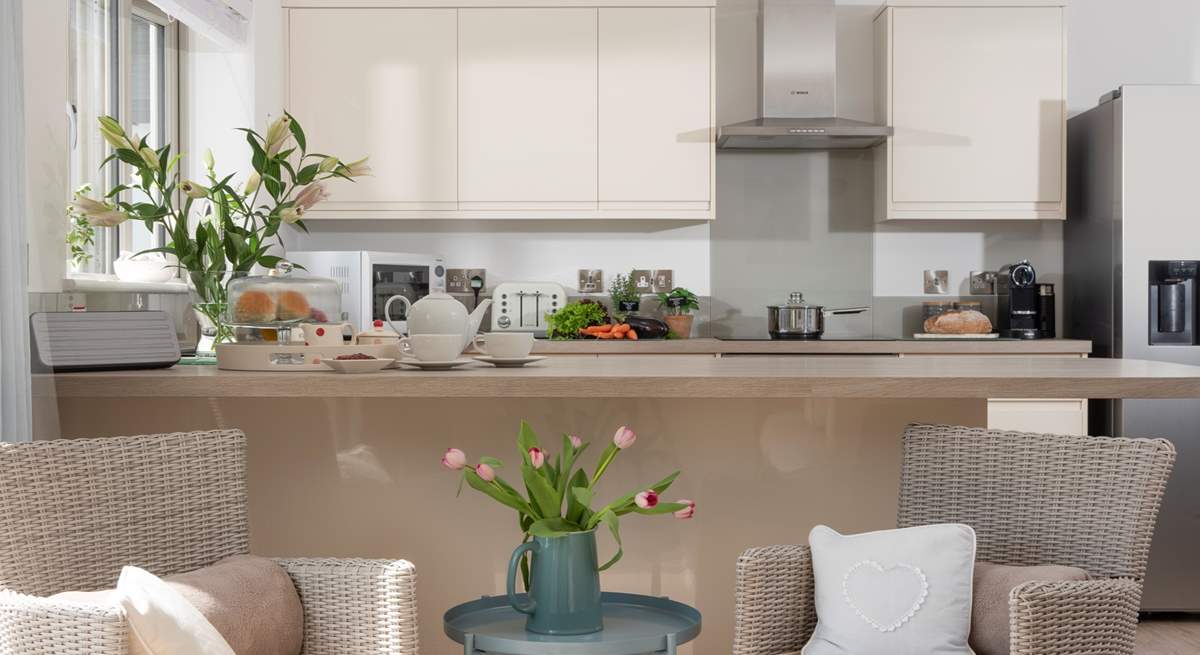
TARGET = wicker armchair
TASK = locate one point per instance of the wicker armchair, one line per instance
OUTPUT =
(74, 511)
(1089, 502)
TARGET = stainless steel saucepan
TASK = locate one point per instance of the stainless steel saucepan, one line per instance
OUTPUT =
(799, 320)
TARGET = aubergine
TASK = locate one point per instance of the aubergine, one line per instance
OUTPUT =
(648, 327)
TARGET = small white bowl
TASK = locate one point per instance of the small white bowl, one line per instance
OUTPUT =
(358, 365)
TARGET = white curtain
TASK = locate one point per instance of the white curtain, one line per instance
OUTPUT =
(15, 405)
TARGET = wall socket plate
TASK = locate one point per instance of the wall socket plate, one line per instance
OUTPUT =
(983, 283)
(937, 282)
(591, 280)
(643, 280)
(664, 280)
(458, 280)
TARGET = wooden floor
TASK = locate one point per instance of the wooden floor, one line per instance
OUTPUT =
(1172, 635)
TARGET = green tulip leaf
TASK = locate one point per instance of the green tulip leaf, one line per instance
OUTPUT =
(577, 512)
(500, 495)
(541, 492)
(661, 508)
(526, 439)
(614, 526)
(492, 462)
(553, 527)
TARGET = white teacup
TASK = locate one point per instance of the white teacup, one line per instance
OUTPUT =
(505, 345)
(432, 347)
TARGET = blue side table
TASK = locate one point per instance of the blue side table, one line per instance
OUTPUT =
(633, 625)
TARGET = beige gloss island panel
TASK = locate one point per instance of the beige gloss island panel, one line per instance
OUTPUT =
(709, 346)
(360, 477)
(665, 376)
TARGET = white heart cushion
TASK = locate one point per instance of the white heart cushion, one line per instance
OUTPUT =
(893, 592)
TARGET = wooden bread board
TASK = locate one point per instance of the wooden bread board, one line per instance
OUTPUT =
(934, 335)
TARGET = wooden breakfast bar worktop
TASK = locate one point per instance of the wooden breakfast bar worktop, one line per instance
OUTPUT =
(649, 376)
(769, 445)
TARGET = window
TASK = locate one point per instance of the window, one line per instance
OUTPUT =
(124, 63)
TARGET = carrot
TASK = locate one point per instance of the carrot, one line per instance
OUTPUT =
(618, 335)
(620, 328)
(596, 329)
(631, 334)
(604, 335)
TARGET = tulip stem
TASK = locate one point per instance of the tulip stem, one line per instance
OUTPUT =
(609, 454)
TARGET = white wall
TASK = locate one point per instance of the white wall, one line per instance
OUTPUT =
(45, 62)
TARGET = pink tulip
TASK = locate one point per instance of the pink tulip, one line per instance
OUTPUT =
(687, 512)
(646, 499)
(537, 457)
(454, 459)
(624, 438)
(485, 472)
(576, 442)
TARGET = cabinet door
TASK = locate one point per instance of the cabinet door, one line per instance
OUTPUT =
(977, 103)
(379, 82)
(655, 86)
(527, 108)
(1067, 416)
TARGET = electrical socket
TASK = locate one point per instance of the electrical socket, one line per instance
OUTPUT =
(473, 273)
(937, 282)
(643, 280)
(591, 280)
(456, 281)
(664, 280)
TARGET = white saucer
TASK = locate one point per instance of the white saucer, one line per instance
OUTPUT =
(510, 362)
(358, 365)
(432, 365)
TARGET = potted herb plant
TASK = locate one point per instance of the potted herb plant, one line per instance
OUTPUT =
(677, 306)
(559, 517)
(625, 297)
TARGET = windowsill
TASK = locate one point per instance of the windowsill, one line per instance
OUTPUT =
(108, 283)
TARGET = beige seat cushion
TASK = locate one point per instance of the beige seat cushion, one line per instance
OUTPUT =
(989, 611)
(250, 600)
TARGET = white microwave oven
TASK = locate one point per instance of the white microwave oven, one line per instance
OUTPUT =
(367, 279)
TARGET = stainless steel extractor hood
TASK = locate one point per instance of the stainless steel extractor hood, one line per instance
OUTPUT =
(798, 85)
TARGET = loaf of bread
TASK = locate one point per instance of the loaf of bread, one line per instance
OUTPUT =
(958, 322)
(254, 306)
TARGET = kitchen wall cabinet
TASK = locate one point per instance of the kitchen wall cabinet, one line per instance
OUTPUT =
(381, 82)
(536, 111)
(527, 108)
(655, 101)
(977, 97)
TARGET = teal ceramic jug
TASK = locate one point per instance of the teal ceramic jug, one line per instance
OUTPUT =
(564, 585)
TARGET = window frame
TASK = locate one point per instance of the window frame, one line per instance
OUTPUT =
(110, 241)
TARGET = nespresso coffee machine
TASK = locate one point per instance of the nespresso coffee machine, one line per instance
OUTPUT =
(1017, 301)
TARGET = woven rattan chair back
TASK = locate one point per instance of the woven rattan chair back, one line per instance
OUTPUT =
(74, 511)
(1089, 502)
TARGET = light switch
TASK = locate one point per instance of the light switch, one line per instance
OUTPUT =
(937, 282)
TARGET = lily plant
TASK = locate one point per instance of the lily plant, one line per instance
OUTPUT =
(559, 498)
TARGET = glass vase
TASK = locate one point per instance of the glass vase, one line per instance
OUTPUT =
(210, 299)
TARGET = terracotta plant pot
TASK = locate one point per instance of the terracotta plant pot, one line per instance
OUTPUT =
(681, 324)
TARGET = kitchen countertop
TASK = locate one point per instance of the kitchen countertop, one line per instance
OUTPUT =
(708, 346)
(650, 376)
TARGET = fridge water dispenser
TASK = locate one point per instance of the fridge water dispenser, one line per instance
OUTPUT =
(1173, 302)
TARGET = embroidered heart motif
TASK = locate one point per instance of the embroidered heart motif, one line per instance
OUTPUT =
(886, 597)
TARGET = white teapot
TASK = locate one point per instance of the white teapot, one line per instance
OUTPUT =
(439, 313)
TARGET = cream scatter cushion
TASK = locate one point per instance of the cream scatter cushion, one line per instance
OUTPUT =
(893, 592)
(162, 621)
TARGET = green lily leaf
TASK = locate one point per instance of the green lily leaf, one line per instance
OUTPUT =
(294, 126)
(542, 493)
(614, 526)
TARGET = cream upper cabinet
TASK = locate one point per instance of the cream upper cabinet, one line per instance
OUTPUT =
(378, 82)
(551, 109)
(977, 98)
(655, 85)
(527, 108)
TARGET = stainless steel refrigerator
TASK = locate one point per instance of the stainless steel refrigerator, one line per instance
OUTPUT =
(1131, 254)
